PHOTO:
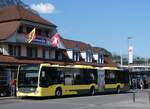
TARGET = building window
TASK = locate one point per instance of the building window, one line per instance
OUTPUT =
(29, 29)
(44, 53)
(46, 33)
(101, 59)
(20, 30)
(32, 52)
(1, 50)
(59, 55)
(75, 55)
(38, 32)
(89, 57)
(24, 29)
(51, 54)
(14, 50)
(50, 33)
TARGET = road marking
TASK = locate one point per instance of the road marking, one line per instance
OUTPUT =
(87, 106)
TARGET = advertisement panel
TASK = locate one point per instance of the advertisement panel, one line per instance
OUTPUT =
(130, 53)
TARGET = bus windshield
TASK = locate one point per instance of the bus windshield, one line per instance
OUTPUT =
(28, 75)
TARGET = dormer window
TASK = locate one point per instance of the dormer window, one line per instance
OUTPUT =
(101, 57)
(76, 55)
(89, 56)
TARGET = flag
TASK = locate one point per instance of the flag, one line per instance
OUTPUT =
(32, 35)
(130, 53)
(55, 40)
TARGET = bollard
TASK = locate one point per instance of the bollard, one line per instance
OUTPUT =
(149, 96)
(133, 96)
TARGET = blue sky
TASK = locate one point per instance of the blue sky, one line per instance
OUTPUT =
(103, 23)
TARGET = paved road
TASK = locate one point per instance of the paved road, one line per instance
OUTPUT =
(111, 101)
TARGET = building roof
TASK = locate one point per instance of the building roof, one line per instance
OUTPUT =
(4, 59)
(16, 12)
(70, 44)
(98, 50)
(8, 28)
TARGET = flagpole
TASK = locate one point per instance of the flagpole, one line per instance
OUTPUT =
(121, 61)
(129, 66)
(129, 38)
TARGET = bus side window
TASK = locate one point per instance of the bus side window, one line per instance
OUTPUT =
(68, 79)
(110, 77)
(61, 77)
(43, 74)
(46, 77)
(43, 78)
(77, 79)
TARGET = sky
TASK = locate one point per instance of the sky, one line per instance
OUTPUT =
(102, 23)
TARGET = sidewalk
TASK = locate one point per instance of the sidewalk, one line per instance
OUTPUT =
(4, 98)
(139, 104)
(139, 90)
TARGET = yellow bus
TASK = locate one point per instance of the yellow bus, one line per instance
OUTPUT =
(41, 80)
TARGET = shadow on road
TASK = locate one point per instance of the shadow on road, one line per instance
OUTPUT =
(70, 96)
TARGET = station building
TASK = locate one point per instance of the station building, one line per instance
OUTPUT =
(16, 22)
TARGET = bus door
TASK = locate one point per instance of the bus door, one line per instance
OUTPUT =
(101, 80)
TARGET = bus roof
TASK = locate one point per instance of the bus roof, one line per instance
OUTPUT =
(109, 68)
(73, 66)
(79, 66)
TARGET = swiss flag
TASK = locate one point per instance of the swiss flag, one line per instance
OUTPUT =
(55, 40)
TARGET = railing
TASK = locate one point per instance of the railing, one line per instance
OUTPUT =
(137, 67)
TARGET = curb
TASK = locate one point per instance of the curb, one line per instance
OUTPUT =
(7, 98)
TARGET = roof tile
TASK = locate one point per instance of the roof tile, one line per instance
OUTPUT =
(16, 12)
(7, 29)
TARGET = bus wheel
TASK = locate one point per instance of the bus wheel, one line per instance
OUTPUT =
(92, 90)
(58, 92)
(118, 89)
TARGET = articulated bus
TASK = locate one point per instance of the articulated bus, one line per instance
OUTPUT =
(41, 80)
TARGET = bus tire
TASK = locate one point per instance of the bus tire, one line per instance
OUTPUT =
(118, 89)
(92, 91)
(58, 92)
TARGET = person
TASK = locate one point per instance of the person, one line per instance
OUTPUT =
(134, 84)
(141, 84)
(145, 84)
(13, 87)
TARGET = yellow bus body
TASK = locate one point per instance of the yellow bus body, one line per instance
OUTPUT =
(67, 89)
